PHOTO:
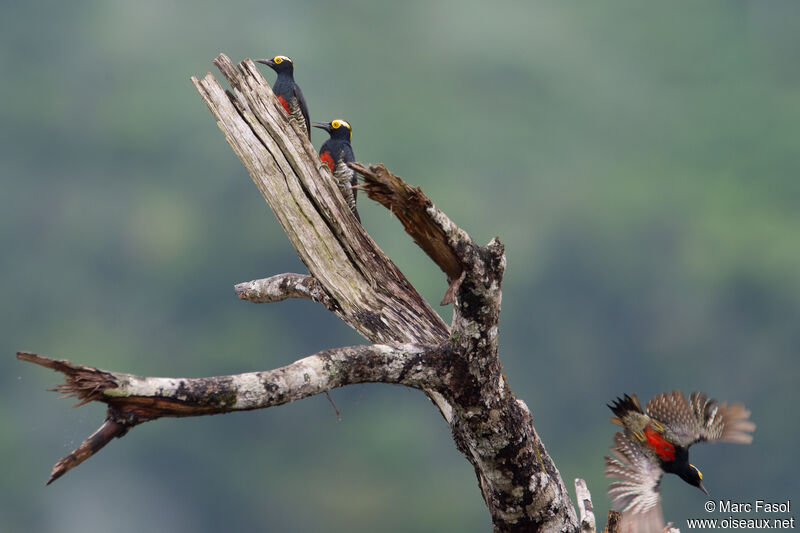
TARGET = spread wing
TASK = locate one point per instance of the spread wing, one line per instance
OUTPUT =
(651, 521)
(722, 422)
(700, 419)
(637, 491)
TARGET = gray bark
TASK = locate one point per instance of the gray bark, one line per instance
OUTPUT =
(585, 507)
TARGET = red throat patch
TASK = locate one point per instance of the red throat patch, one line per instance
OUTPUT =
(327, 159)
(656, 442)
(284, 103)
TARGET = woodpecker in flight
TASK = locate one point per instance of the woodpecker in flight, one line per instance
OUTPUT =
(287, 91)
(336, 152)
(656, 440)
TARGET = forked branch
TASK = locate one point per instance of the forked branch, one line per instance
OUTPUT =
(457, 367)
(133, 400)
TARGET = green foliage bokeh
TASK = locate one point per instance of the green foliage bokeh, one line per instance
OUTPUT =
(638, 160)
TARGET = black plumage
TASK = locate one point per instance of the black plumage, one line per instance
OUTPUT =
(336, 152)
(287, 91)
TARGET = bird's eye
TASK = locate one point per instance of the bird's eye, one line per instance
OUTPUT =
(335, 124)
(278, 60)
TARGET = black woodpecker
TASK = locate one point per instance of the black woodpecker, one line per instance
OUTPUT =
(656, 440)
(336, 152)
(288, 92)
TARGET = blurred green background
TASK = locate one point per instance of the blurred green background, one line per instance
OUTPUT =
(639, 161)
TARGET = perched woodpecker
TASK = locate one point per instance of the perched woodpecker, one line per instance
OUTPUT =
(336, 152)
(656, 440)
(287, 91)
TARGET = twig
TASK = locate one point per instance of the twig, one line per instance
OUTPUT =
(585, 506)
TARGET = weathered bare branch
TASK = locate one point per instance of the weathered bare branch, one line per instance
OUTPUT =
(133, 400)
(370, 293)
(110, 430)
(373, 295)
(155, 397)
(84, 382)
(282, 286)
(420, 218)
(519, 481)
(585, 506)
(457, 367)
(446, 244)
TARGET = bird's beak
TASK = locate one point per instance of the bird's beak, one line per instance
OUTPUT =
(267, 62)
(701, 487)
(322, 125)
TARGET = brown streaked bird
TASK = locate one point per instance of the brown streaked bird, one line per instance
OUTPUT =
(656, 441)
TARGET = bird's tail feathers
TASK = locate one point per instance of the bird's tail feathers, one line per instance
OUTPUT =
(624, 405)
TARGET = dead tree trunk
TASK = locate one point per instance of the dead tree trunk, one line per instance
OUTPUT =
(457, 367)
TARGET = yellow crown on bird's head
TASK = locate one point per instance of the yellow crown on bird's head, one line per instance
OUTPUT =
(339, 123)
